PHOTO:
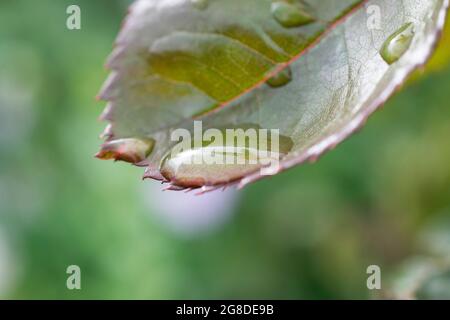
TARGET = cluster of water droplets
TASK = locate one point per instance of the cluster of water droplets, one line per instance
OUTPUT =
(289, 14)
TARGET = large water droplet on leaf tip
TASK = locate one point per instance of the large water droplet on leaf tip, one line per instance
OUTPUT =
(221, 163)
(290, 15)
(397, 44)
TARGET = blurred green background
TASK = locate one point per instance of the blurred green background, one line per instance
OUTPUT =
(381, 198)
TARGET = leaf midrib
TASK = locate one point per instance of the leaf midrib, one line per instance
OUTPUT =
(313, 41)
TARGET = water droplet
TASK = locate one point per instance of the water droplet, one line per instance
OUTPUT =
(129, 150)
(281, 78)
(200, 4)
(398, 43)
(224, 160)
(290, 15)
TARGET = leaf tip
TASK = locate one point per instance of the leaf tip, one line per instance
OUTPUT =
(130, 150)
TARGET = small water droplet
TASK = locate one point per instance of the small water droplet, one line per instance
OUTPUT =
(398, 43)
(129, 150)
(200, 4)
(281, 78)
(290, 15)
(221, 163)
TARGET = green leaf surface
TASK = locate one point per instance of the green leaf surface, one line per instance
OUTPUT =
(312, 69)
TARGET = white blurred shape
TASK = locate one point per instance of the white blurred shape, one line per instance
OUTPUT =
(7, 267)
(20, 78)
(189, 214)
